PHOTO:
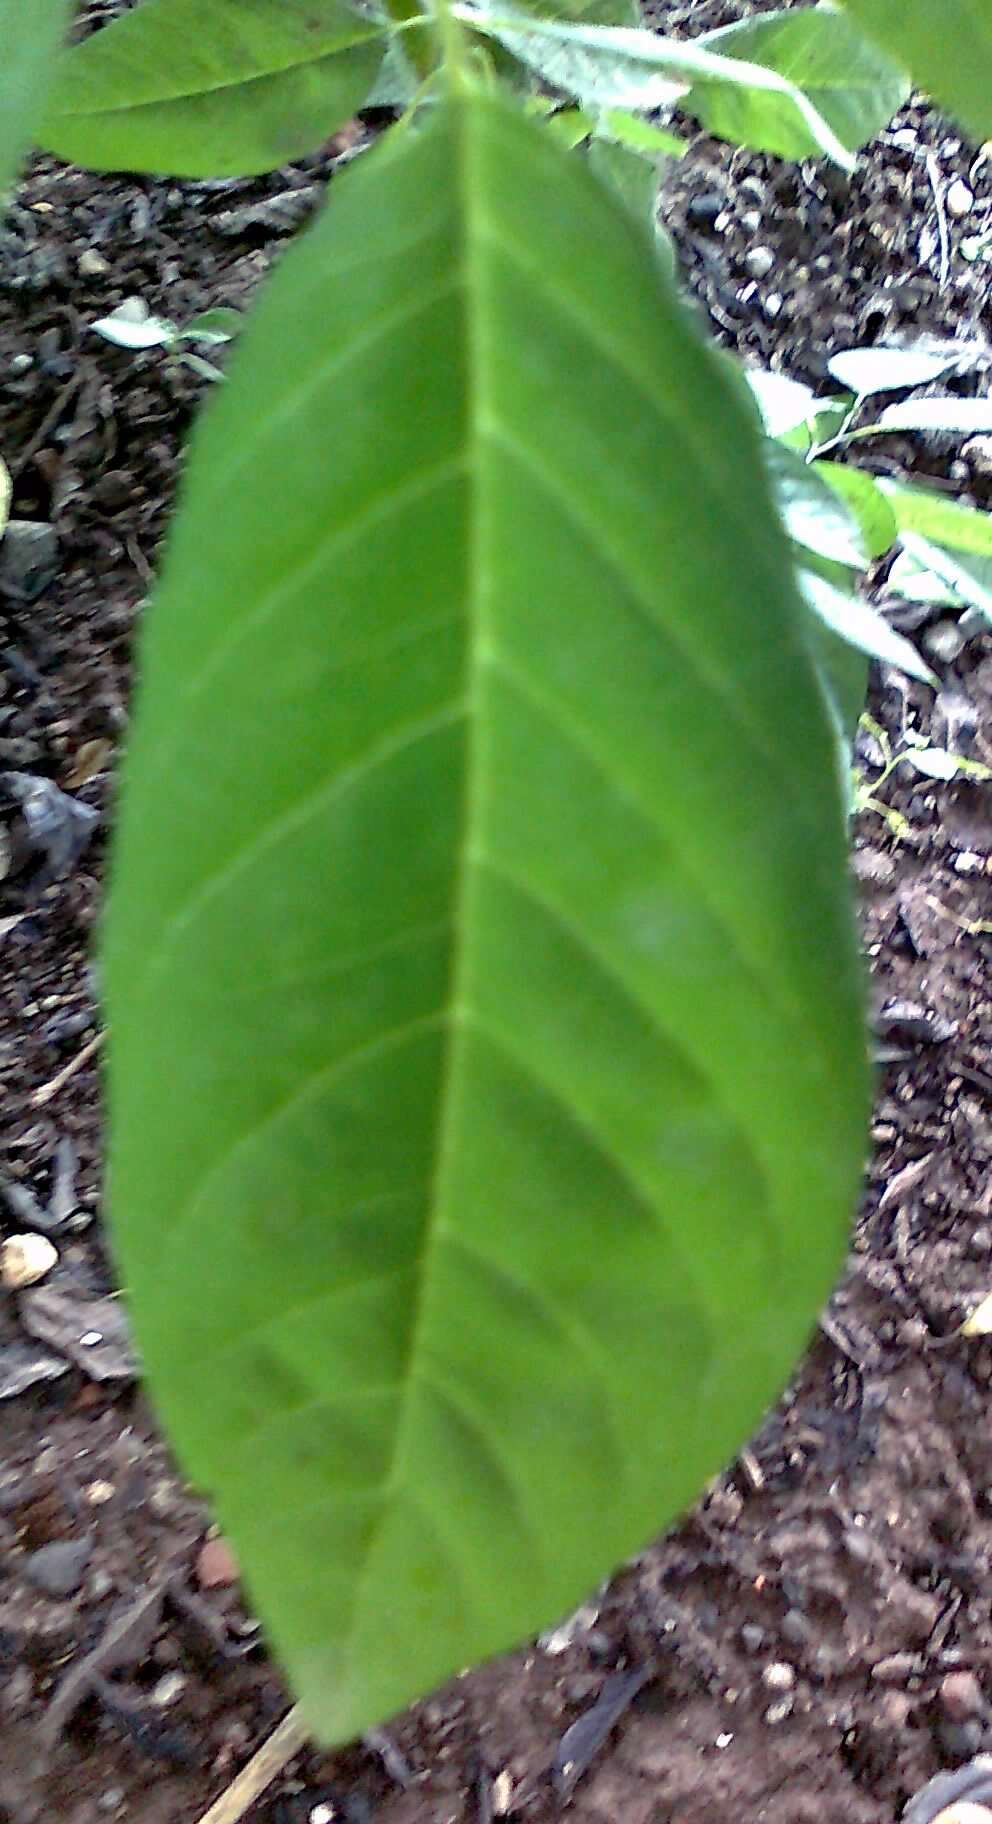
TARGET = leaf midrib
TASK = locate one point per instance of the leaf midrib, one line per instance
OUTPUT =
(472, 265)
(134, 109)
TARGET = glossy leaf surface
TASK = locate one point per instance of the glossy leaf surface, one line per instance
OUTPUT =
(924, 510)
(853, 85)
(486, 1059)
(217, 90)
(865, 499)
(610, 66)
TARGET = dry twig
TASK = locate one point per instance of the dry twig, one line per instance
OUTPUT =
(261, 1770)
(48, 1090)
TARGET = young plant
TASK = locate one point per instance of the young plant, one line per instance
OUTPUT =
(487, 1068)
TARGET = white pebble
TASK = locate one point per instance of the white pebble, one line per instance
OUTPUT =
(24, 1259)
(959, 199)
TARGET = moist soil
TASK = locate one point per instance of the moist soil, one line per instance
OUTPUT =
(815, 1641)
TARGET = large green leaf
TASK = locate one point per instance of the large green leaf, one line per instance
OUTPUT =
(217, 90)
(613, 66)
(30, 35)
(486, 1064)
(948, 48)
(853, 85)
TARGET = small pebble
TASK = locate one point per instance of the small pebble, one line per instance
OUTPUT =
(24, 1259)
(57, 1569)
(961, 1696)
(759, 261)
(216, 1565)
(959, 1741)
(978, 453)
(944, 640)
(780, 1710)
(99, 1493)
(92, 265)
(959, 199)
(795, 1627)
(773, 304)
(752, 1637)
(704, 209)
(779, 1676)
(170, 1686)
(29, 557)
(873, 867)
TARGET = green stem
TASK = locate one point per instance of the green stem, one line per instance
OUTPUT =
(421, 43)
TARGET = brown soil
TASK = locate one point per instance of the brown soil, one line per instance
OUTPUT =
(816, 1640)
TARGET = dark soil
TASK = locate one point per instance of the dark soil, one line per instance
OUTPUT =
(816, 1640)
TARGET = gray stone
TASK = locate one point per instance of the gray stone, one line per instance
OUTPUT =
(57, 1569)
(29, 558)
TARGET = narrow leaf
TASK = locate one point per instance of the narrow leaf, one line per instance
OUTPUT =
(853, 86)
(213, 327)
(222, 90)
(947, 47)
(866, 501)
(132, 326)
(861, 625)
(586, 12)
(842, 670)
(632, 177)
(509, 1143)
(610, 66)
(970, 577)
(641, 135)
(921, 509)
(813, 514)
(885, 370)
(964, 417)
(939, 763)
(911, 579)
(30, 36)
(783, 403)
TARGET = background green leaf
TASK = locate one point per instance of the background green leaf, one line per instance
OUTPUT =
(855, 87)
(30, 35)
(922, 509)
(814, 515)
(218, 90)
(970, 577)
(609, 66)
(486, 1059)
(887, 370)
(940, 412)
(861, 625)
(865, 500)
(629, 174)
(948, 48)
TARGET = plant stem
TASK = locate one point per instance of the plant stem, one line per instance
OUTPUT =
(420, 44)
